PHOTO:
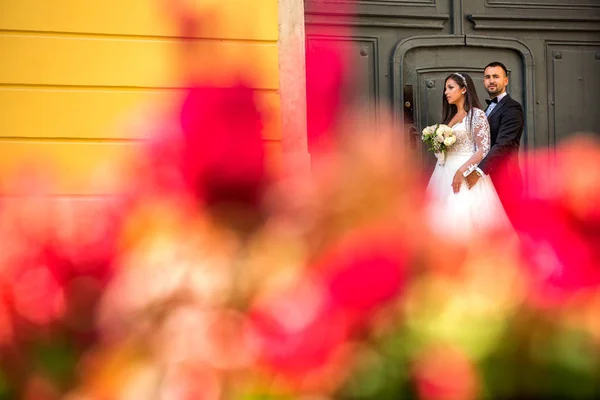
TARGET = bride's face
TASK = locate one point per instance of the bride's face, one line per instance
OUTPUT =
(454, 93)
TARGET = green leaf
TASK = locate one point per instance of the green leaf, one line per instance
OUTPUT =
(57, 360)
(5, 390)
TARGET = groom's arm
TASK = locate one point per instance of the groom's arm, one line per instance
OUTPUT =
(509, 133)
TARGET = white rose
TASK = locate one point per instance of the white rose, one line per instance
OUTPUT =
(440, 137)
(428, 131)
(449, 141)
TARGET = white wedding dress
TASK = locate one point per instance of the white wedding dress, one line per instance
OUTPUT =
(470, 211)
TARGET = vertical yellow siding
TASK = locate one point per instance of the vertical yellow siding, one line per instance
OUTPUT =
(72, 70)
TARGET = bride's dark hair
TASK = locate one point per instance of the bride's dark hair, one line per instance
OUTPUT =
(471, 99)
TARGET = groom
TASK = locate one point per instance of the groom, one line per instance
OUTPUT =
(505, 116)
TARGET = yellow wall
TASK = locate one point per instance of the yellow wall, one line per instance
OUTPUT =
(70, 70)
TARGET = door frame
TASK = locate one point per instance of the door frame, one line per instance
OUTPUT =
(404, 46)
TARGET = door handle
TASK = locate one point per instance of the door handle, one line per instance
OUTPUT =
(409, 106)
(409, 116)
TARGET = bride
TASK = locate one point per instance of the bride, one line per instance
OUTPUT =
(454, 209)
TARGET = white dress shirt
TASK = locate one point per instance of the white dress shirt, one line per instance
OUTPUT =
(491, 107)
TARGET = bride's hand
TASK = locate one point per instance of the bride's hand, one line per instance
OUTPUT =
(457, 181)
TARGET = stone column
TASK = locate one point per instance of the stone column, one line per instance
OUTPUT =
(292, 85)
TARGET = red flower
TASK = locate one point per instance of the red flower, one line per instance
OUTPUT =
(223, 153)
(38, 295)
(365, 271)
(329, 80)
(325, 73)
(73, 242)
(300, 333)
(557, 220)
(302, 352)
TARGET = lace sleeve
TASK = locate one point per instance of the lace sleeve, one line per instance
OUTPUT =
(481, 134)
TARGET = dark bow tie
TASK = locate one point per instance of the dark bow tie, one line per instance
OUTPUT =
(494, 100)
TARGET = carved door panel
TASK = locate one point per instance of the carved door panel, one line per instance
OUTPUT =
(552, 48)
(426, 81)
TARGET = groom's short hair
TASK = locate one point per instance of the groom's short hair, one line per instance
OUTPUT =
(497, 64)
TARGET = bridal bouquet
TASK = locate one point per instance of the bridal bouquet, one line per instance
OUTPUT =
(439, 137)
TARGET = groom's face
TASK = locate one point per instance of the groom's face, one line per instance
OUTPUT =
(494, 80)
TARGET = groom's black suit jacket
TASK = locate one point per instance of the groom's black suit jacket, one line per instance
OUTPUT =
(506, 127)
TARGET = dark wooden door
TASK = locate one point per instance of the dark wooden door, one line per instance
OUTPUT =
(423, 84)
(552, 48)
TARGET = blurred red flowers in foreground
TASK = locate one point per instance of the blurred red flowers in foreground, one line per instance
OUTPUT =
(340, 293)
(559, 222)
